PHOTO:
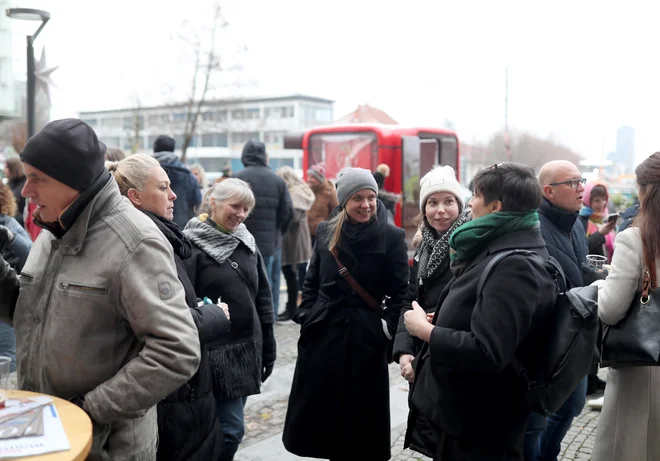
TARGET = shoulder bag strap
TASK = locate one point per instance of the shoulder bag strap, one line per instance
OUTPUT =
(245, 280)
(650, 281)
(366, 297)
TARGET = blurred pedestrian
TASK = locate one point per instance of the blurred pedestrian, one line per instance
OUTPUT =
(296, 242)
(16, 180)
(17, 245)
(272, 213)
(114, 154)
(184, 184)
(325, 198)
(594, 217)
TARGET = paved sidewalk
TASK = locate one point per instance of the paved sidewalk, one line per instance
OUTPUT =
(265, 413)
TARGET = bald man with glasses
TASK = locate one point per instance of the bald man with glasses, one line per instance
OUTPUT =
(562, 185)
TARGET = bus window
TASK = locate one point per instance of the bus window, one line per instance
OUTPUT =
(416, 161)
(448, 147)
(340, 150)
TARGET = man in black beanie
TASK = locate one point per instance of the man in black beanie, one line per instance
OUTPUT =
(98, 310)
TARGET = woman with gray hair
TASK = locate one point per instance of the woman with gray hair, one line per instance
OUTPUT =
(226, 265)
(188, 426)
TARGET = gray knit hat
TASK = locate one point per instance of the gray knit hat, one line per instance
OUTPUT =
(351, 180)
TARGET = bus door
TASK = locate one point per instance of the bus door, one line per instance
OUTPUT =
(418, 157)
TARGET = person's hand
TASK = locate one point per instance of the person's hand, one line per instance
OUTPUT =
(607, 228)
(266, 372)
(6, 237)
(405, 365)
(417, 322)
(225, 309)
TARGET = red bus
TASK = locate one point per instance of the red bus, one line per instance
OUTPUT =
(410, 152)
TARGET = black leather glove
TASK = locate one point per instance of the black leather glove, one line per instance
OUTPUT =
(6, 237)
(269, 351)
(266, 372)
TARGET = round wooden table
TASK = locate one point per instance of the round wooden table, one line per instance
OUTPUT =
(76, 423)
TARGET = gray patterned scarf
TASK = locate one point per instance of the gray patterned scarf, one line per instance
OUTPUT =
(433, 252)
(215, 243)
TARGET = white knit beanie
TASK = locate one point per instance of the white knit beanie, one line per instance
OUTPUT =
(440, 179)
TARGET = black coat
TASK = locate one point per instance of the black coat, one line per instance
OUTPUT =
(427, 296)
(188, 425)
(464, 382)
(273, 211)
(237, 359)
(566, 241)
(339, 405)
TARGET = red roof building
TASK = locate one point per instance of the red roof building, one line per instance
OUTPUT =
(367, 114)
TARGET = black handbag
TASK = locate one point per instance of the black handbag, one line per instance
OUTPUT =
(635, 340)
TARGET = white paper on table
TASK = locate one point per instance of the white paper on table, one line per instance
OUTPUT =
(18, 406)
(54, 439)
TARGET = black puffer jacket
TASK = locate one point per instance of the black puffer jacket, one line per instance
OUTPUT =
(273, 211)
(188, 425)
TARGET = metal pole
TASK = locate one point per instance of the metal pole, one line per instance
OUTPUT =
(30, 87)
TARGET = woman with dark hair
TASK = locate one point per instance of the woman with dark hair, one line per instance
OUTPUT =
(16, 180)
(600, 231)
(629, 423)
(339, 406)
(17, 245)
(464, 384)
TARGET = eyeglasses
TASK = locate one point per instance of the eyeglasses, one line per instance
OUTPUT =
(499, 177)
(572, 183)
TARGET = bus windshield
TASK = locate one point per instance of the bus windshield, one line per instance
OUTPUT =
(340, 150)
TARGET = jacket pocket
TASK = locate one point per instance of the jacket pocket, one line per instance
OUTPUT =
(81, 288)
(25, 277)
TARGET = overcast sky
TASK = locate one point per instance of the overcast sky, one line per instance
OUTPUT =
(577, 69)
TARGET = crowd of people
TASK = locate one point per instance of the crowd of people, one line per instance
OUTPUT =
(135, 289)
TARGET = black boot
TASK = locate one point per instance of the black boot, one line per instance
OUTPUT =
(594, 384)
(288, 314)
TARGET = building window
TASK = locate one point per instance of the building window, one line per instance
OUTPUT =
(179, 117)
(240, 137)
(274, 137)
(90, 121)
(220, 116)
(111, 141)
(214, 140)
(275, 163)
(238, 114)
(111, 122)
(253, 114)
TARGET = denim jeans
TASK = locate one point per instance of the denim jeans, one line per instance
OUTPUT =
(230, 414)
(274, 269)
(8, 344)
(543, 436)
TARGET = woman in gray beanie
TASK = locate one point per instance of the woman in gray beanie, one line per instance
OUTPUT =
(339, 402)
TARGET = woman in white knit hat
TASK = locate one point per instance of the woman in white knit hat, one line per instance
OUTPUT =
(441, 212)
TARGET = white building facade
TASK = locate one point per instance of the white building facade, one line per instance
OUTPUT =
(223, 128)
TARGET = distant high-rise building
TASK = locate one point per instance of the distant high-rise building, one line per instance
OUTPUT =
(624, 155)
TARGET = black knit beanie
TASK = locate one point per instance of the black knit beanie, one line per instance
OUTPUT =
(68, 151)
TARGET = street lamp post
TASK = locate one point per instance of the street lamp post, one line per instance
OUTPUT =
(33, 15)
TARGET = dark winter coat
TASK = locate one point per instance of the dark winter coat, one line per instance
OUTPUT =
(339, 406)
(464, 382)
(273, 211)
(566, 240)
(188, 425)
(184, 185)
(628, 216)
(16, 186)
(404, 343)
(237, 359)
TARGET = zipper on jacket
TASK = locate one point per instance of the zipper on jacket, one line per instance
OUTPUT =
(26, 276)
(65, 288)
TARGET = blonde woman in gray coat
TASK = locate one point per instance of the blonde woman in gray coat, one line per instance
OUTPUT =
(629, 425)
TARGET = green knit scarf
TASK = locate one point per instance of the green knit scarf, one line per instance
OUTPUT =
(473, 237)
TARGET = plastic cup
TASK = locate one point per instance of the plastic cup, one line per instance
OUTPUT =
(596, 261)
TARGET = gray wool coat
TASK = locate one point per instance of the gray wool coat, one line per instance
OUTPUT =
(629, 425)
